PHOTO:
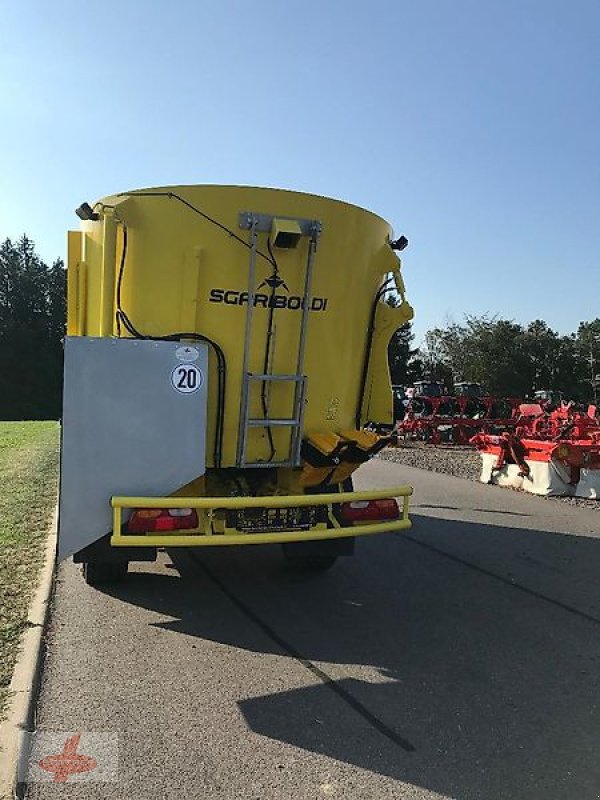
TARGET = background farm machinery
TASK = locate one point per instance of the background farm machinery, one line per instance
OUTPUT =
(429, 414)
(549, 451)
(546, 447)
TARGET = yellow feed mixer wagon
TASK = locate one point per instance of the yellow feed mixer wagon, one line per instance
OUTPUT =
(226, 347)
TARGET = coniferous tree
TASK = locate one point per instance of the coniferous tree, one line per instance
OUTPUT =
(32, 322)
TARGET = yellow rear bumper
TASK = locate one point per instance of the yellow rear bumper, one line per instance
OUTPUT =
(208, 507)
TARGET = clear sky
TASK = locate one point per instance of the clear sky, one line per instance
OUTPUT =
(472, 125)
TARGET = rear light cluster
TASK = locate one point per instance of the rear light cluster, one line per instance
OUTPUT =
(370, 510)
(150, 520)
(147, 520)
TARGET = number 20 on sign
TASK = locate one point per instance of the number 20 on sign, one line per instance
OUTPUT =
(186, 378)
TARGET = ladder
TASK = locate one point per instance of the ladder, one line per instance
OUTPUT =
(257, 223)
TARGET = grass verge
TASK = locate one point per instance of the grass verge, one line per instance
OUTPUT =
(28, 486)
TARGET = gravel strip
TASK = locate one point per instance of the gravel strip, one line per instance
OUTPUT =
(461, 462)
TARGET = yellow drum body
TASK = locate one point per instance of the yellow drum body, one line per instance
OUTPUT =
(177, 260)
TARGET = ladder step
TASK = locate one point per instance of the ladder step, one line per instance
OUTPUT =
(269, 422)
(270, 377)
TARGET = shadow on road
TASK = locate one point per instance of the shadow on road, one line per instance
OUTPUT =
(495, 688)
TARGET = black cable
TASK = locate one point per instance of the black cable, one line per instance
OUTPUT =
(204, 215)
(123, 319)
(221, 384)
(120, 280)
(263, 392)
(363, 381)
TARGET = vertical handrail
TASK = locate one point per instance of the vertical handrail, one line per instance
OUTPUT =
(296, 438)
(300, 388)
(245, 398)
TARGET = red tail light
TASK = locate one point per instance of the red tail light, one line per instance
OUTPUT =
(370, 510)
(148, 520)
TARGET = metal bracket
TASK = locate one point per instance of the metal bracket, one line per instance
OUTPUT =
(264, 222)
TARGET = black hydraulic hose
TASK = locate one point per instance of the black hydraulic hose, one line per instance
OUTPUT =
(363, 381)
(263, 391)
(120, 280)
(221, 383)
(123, 319)
(204, 215)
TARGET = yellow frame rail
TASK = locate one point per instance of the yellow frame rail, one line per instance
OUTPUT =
(210, 505)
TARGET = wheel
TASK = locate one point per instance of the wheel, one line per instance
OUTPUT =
(97, 573)
(319, 556)
(308, 563)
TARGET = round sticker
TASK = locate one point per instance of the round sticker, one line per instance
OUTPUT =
(187, 353)
(187, 378)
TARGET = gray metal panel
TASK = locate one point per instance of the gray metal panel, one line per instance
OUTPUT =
(125, 430)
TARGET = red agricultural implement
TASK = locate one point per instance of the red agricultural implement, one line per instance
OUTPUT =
(455, 420)
(547, 453)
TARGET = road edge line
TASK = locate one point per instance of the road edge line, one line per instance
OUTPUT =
(24, 684)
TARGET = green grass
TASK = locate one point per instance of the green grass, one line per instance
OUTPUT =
(28, 486)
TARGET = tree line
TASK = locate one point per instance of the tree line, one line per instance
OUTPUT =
(32, 327)
(509, 359)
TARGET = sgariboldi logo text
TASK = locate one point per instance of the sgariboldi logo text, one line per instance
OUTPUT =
(231, 297)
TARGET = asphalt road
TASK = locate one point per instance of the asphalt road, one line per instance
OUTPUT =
(458, 660)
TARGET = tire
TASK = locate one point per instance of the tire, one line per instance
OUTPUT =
(318, 556)
(98, 573)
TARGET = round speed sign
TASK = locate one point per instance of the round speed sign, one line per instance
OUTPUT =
(186, 378)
